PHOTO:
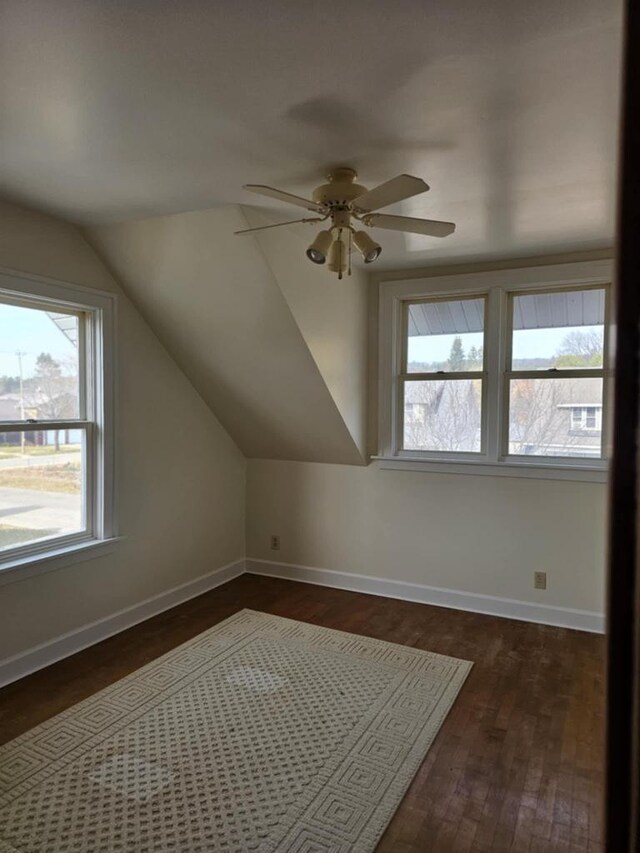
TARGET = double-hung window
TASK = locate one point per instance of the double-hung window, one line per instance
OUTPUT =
(56, 419)
(504, 371)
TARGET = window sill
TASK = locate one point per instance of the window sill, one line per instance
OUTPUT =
(473, 468)
(49, 561)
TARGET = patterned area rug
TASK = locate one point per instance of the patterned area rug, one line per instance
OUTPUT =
(261, 734)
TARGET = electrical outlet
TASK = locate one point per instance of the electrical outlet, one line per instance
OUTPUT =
(540, 580)
(275, 543)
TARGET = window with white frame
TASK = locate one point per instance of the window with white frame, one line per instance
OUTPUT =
(504, 370)
(586, 417)
(56, 433)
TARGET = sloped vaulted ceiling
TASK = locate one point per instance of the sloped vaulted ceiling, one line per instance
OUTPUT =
(216, 303)
(141, 111)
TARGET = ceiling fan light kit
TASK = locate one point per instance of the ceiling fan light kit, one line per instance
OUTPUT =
(319, 249)
(368, 248)
(342, 200)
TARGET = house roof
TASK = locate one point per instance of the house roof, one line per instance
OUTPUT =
(568, 309)
(571, 392)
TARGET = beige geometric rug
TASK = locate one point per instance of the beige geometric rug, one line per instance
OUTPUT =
(261, 734)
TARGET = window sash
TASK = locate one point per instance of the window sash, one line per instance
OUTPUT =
(36, 425)
(87, 533)
(571, 460)
(404, 367)
(436, 377)
(512, 295)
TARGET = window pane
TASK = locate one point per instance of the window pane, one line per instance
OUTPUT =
(443, 415)
(561, 330)
(38, 364)
(41, 483)
(548, 417)
(446, 336)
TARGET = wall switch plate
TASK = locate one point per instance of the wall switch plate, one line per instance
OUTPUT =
(275, 543)
(540, 580)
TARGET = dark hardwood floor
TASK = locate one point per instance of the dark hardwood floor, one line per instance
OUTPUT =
(518, 763)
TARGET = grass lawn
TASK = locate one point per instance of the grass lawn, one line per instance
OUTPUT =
(50, 478)
(10, 536)
(12, 451)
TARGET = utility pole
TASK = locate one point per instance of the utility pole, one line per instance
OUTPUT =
(20, 354)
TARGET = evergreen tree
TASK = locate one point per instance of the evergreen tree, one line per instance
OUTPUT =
(457, 359)
(9, 384)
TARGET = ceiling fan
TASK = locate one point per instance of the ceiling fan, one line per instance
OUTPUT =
(342, 200)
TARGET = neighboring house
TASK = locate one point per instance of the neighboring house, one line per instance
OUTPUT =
(548, 416)
(10, 407)
(10, 410)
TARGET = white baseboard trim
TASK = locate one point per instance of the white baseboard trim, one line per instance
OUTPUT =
(68, 644)
(561, 617)
(61, 647)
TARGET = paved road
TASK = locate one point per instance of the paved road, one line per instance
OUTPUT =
(40, 510)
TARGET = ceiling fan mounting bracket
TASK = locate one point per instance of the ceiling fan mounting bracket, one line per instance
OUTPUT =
(342, 174)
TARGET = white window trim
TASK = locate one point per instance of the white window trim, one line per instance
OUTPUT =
(498, 284)
(45, 556)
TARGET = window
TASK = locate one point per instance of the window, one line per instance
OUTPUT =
(442, 375)
(504, 370)
(586, 417)
(56, 455)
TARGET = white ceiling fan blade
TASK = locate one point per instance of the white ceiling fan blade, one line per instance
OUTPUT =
(278, 225)
(282, 196)
(429, 227)
(397, 189)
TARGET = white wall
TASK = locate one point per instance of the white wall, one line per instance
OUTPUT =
(182, 505)
(217, 306)
(330, 312)
(476, 534)
(181, 502)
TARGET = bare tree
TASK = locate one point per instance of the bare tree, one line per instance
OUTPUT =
(580, 348)
(443, 415)
(51, 392)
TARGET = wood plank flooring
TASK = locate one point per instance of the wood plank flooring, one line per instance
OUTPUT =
(517, 765)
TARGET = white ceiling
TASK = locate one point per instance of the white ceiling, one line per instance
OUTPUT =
(121, 109)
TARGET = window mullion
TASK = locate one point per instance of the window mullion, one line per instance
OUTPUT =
(494, 347)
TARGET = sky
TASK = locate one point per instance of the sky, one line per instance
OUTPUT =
(30, 331)
(528, 343)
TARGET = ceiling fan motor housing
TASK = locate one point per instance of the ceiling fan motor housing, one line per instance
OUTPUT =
(340, 191)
